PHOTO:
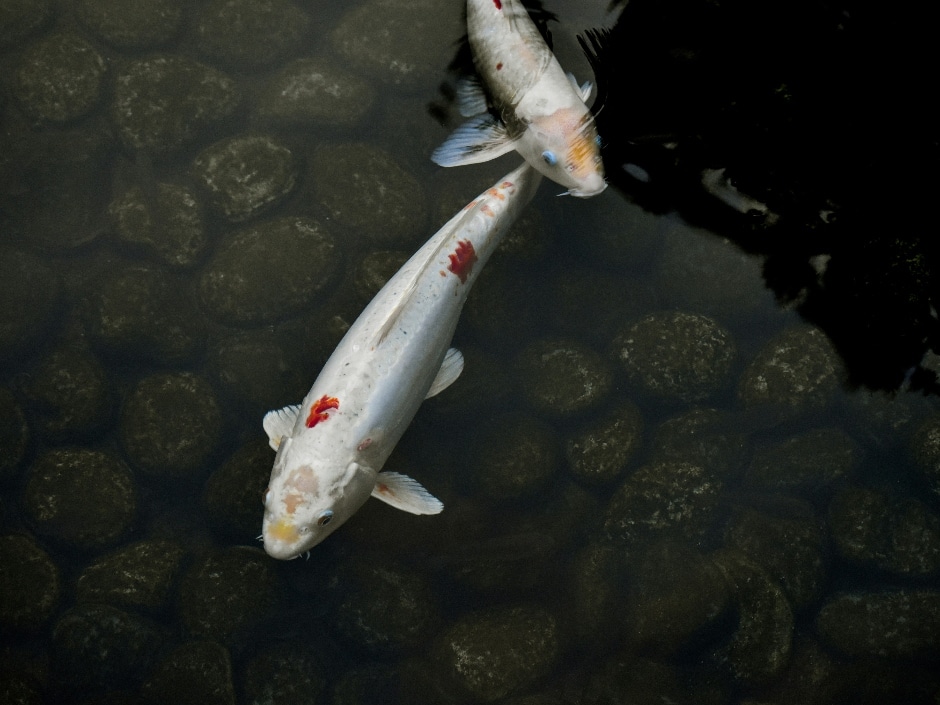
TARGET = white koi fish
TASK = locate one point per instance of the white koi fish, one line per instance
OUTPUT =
(331, 447)
(542, 109)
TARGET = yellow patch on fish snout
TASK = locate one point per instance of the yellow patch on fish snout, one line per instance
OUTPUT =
(283, 531)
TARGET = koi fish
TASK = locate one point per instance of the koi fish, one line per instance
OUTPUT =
(542, 110)
(332, 446)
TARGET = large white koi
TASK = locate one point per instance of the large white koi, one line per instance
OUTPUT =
(542, 110)
(331, 447)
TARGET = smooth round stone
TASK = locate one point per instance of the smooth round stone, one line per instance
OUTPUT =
(225, 594)
(195, 672)
(899, 535)
(595, 592)
(171, 424)
(134, 25)
(760, 646)
(371, 684)
(499, 652)
(29, 292)
(59, 78)
(676, 357)
(20, 18)
(375, 269)
(250, 34)
(563, 378)
(629, 679)
(245, 175)
(30, 586)
(233, 491)
(141, 575)
(85, 498)
(894, 625)
(167, 223)
(163, 102)
(514, 456)
(99, 647)
(600, 453)
(145, 313)
(795, 372)
(364, 188)
(289, 673)
(925, 451)
(811, 461)
(14, 435)
(402, 44)
(665, 500)
(70, 393)
(20, 688)
(384, 609)
(314, 92)
(705, 437)
(269, 271)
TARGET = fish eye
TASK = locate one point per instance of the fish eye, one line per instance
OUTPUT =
(549, 157)
(597, 140)
(325, 518)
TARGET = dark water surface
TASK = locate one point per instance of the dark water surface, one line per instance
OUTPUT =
(663, 481)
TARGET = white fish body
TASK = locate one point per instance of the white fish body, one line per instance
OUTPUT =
(331, 447)
(542, 109)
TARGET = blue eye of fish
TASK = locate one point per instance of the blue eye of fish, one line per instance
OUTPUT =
(597, 140)
(325, 518)
(549, 157)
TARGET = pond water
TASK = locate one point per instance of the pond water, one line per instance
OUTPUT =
(658, 484)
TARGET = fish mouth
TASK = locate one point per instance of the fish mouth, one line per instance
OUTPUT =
(587, 193)
(282, 539)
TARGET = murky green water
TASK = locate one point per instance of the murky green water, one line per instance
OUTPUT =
(657, 487)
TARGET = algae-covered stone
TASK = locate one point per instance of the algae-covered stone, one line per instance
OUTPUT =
(250, 34)
(365, 188)
(896, 625)
(810, 461)
(315, 92)
(403, 44)
(514, 456)
(137, 576)
(85, 498)
(165, 221)
(99, 647)
(596, 590)
(195, 673)
(796, 372)
(499, 652)
(20, 18)
(375, 269)
(29, 291)
(269, 271)
(30, 585)
(171, 424)
(225, 594)
(232, 491)
(59, 78)
(562, 378)
(638, 681)
(600, 452)
(661, 501)
(14, 435)
(676, 356)
(288, 673)
(925, 450)
(705, 437)
(245, 175)
(135, 25)
(164, 102)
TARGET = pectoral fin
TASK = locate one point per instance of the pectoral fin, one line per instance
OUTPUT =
(280, 423)
(480, 139)
(448, 374)
(584, 90)
(406, 494)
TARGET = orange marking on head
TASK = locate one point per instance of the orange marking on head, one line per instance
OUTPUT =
(461, 261)
(319, 408)
(291, 501)
(283, 530)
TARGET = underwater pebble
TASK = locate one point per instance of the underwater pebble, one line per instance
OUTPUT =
(895, 625)
(166, 222)
(899, 535)
(140, 575)
(638, 681)
(29, 291)
(810, 461)
(30, 585)
(20, 18)
(59, 78)
(233, 489)
(290, 673)
(164, 102)
(84, 498)
(314, 92)
(498, 652)
(245, 175)
(14, 435)
(375, 269)
(595, 591)
(298, 253)
(250, 34)
(675, 356)
(925, 451)
(562, 378)
(141, 24)
(171, 424)
(705, 437)
(600, 452)
(194, 672)
(513, 456)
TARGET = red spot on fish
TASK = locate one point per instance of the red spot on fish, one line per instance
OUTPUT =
(499, 66)
(382, 488)
(319, 408)
(461, 262)
(499, 5)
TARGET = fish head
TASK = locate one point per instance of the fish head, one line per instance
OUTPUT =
(308, 499)
(565, 147)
